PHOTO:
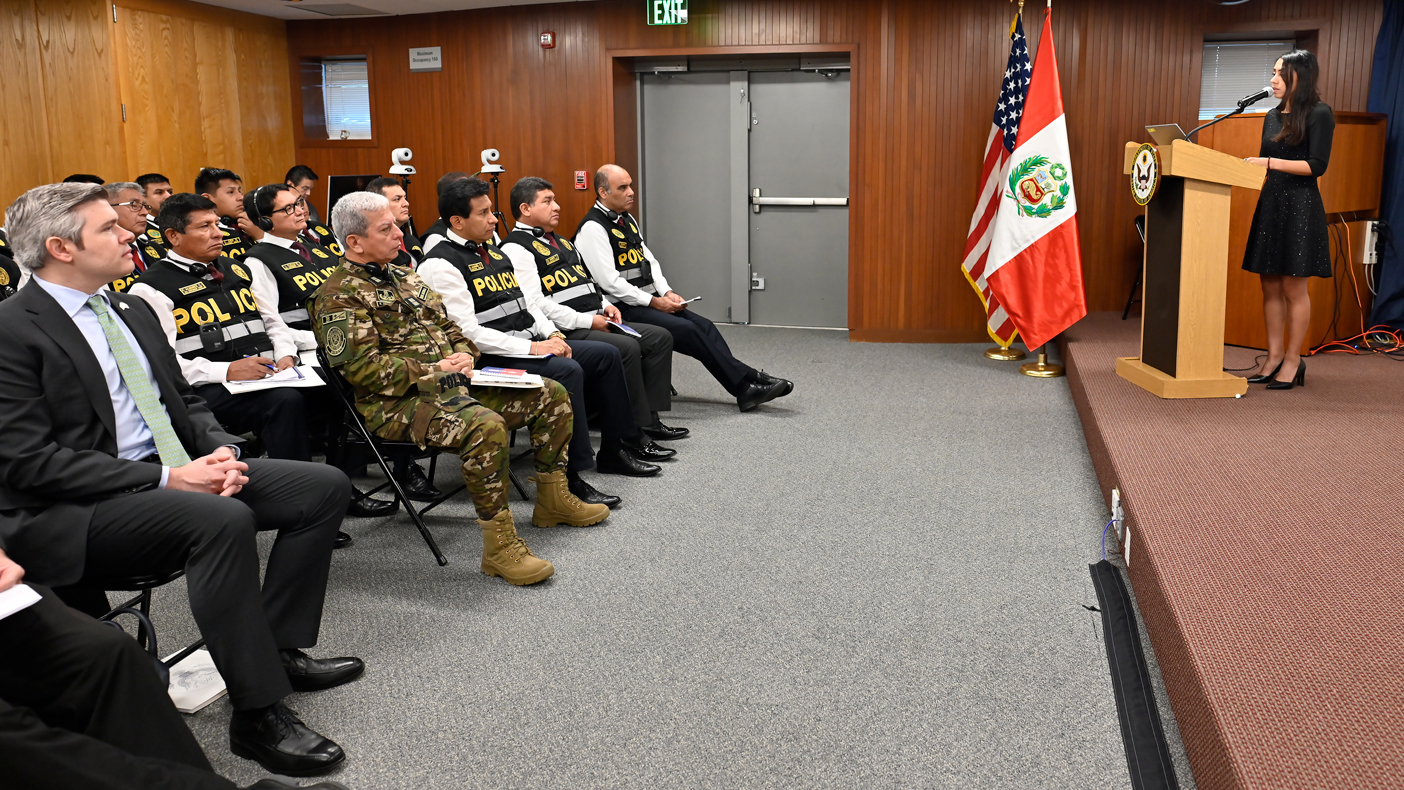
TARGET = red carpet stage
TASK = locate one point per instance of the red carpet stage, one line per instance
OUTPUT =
(1267, 555)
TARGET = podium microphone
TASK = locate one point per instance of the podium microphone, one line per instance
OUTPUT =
(1265, 93)
(1242, 105)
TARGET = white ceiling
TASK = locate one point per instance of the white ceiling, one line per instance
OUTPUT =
(299, 10)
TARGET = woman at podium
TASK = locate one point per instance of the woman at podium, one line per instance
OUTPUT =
(1289, 241)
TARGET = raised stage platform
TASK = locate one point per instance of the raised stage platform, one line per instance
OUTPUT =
(1267, 556)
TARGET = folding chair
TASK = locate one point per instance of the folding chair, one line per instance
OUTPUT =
(356, 430)
(142, 585)
(1140, 269)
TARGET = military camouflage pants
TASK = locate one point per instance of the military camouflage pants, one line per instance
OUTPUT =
(475, 425)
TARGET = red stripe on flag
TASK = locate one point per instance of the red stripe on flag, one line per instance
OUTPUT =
(1041, 287)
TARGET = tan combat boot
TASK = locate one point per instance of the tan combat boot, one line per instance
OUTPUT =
(555, 504)
(506, 555)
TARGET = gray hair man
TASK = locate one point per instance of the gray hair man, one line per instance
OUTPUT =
(128, 199)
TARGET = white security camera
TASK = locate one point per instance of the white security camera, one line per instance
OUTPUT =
(489, 156)
(399, 156)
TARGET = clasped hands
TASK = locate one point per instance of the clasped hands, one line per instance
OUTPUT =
(220, 472)
(668, 303)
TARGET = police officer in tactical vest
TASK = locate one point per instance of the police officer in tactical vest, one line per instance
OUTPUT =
(625, 269)
(439, 230)
(128, 200)
(220, 332)
(481, 295)
(11, 275)
(155, 189)
(410, 245)
(226, 190)
(553, 276)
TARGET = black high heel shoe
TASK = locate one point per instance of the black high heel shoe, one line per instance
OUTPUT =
(1298, 380)
(1263, 378)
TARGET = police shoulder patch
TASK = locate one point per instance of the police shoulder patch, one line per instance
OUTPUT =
(566, 244)
(633, 227)
(153, 233)
(541, 248)
(4, 277)
(497, 256)
(152, 252)
(319, 253)
(239, 270)
(321, 231)
(617, 232)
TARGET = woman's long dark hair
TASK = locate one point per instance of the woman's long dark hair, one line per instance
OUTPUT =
(1299, 73)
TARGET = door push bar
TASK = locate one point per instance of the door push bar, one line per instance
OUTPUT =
(757, 201)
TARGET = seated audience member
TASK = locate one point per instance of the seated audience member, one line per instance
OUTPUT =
(125, 197)
(157, 188)
(391, 190)
(12, 276)
(83, 178)
(481, 294)
(625, 269)
(220, 331)
(225, 189)
(386, 332)
(113, 467)
(303, 179)
(553, 276)
(439, 229)
(80, 707)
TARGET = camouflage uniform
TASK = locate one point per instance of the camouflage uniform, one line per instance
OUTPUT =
(386, 333)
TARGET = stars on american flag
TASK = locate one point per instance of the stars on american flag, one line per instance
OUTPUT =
(1014, 88)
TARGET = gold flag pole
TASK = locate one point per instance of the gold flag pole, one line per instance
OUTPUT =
(1009, 353)
(1042, 369)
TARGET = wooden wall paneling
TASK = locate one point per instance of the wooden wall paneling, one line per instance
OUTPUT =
(264, 92)
(24, 127)
(925, 76)
(80, 88)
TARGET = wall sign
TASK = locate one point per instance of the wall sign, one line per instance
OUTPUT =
(426, 59)
(667, 12)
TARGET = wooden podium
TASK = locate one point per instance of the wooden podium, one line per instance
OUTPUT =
(1186, 273)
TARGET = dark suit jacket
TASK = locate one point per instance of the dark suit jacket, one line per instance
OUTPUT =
(58, 440)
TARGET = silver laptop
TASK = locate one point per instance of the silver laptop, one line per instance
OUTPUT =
(1166, 133)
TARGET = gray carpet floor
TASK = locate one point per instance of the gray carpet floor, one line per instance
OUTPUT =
(877, 581)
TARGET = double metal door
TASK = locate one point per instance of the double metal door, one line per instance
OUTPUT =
(745, 192)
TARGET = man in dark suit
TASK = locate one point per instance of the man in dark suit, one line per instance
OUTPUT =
(112, 467)
(82, 707)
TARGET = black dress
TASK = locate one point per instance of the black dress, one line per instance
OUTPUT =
(1289, 234)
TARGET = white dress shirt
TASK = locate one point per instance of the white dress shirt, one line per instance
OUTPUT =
(529, 278)
(595, 247)
(199, 370)
(434, 238)
(134, 439)
(265, 290)
(441, 275)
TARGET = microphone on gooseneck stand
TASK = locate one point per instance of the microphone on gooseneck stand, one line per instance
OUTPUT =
(1246, 101)
(1243, 104)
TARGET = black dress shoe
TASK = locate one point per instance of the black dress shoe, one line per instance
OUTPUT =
(363, 506)
(342, 540)
(1298, 380)
(588, 494)
(1264, 378)
(756, 394)
(315, 674)
(417, 486)
(764, 378)
(280, 742)
(618, 461)
(665, 433)
(649, 452)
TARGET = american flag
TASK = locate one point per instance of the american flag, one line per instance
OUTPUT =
(1003, 132)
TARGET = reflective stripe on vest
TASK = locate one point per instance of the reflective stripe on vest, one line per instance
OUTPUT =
(232, 332)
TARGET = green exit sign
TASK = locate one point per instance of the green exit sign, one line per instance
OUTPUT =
(667, 12)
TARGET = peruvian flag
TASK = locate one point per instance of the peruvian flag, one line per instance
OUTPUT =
(1034, 267)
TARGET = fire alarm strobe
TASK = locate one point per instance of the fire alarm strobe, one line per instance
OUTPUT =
(548, 40)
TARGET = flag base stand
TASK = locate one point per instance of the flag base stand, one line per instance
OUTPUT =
(1042, 369)
(1004, 354)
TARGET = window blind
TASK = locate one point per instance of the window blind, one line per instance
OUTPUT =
(346, 92)
(1234, 69)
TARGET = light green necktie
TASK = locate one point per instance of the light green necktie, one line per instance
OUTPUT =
(139, 385)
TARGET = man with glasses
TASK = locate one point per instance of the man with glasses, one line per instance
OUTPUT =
(128, 200)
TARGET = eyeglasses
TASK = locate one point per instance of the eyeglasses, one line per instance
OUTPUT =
(300, 203)
(133, 205)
